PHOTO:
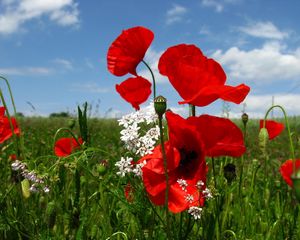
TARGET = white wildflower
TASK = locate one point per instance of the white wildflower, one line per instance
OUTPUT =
(46, 189)
(124, 166)
(183, 184)
(138, 169)
(207, 193)
(199, 184)
(189, 198)
(195, 212)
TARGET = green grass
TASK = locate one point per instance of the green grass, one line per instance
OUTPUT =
(86, 202)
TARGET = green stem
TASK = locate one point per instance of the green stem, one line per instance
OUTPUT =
(292, 152)
(10, 93)
(166, 173)
(192, 110)
(153, 79)
(214, 172)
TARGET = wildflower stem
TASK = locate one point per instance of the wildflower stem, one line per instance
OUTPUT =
(10, 93)
(192, 109)
(153, 79)
(166, 172)
(292, 152)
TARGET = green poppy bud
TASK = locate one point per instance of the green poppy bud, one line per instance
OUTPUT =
(160, 105)
(263, 137)
(25, 188)
(229, 172)
(71, 123)
(245, 118)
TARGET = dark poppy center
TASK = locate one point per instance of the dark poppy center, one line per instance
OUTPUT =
(187, 160)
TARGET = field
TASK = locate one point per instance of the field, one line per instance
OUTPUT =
(87, 200)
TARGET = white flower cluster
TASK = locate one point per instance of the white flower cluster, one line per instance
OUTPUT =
(135, 141)
(195, 212)
(125, 166)
(38, 182)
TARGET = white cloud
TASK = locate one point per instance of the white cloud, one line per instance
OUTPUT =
(258, 105)
(218, 6)
(25, 71)
(88, 87)
(175, 14)
(268, 64)
(152, 58)
(66, 64)
(264, 30)
(63, 12)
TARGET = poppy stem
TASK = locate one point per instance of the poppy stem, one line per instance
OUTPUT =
(166, 172)
(192, 109)
(153, 79)
(11, 95)
(292, 151)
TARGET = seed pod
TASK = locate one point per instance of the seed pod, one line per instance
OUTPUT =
(160, 105)
(263, 137)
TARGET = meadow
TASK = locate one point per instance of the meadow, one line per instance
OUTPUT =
(152, 174)
(252, 203)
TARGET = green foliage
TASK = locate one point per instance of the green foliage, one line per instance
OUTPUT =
(87, 200)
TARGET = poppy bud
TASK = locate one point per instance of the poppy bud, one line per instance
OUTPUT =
(296, 184)
(160, 105)
(71, 123)
(25, 188)
(245, 118)
(263, 137)
(229, 172)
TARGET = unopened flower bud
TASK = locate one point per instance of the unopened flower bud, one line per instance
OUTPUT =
(263, 137)
(160, 105)
(245, 118)
(229, 172)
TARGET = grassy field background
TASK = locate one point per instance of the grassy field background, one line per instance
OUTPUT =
(87, 200)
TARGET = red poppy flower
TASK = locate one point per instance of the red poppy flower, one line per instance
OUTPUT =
(185, 153)
(274, 128)
(128, 50)
(198, 80)
(5, 128)
(65, 146)
(286, 170)
(134, 90)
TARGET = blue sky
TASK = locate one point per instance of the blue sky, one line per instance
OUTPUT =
(54, 51)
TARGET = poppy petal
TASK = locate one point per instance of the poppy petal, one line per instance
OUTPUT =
(286, 170)
(134, 90)
(65, 146)
(198, 79)
(221, 136)
(128, 50)
(274, 128)
(209, 94)
(5, 128)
